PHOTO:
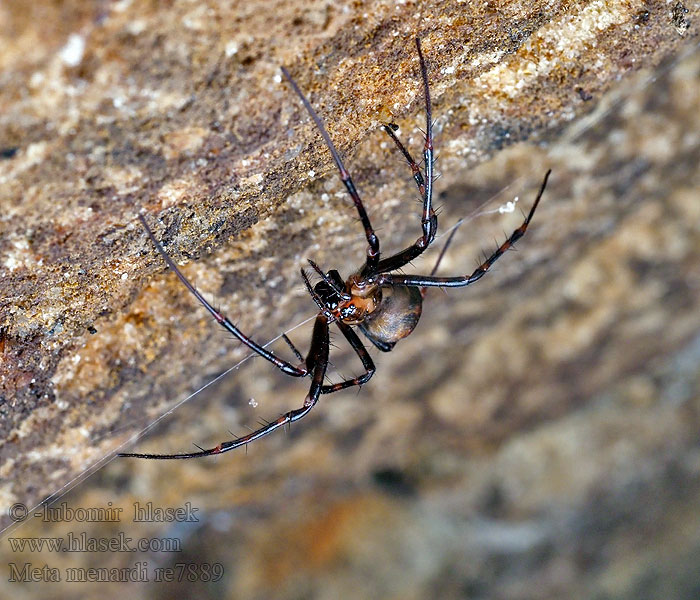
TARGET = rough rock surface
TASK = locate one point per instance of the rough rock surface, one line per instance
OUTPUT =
(522, 443)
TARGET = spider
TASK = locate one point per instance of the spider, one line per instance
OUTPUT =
(385, 306)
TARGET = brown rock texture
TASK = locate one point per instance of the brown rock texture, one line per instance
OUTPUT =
(537, 436)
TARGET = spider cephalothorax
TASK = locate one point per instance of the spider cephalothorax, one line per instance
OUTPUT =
(385, 306)
(350, 302)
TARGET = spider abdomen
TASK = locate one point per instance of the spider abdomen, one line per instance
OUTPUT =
(395, 317)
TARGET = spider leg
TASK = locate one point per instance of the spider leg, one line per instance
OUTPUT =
(383, 346)
(338, 289)
(443, 250)
(293, 347)
(317, 299)
(445, 247)
(372, 239)
(362, 353)
(429, 221)
(281, 364)
(479, 272)
(318, 357)
(390, 130)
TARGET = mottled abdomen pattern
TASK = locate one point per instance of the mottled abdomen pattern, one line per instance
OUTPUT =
(395, 317)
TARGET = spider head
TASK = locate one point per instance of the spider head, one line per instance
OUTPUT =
(362, 298)
(330, 290)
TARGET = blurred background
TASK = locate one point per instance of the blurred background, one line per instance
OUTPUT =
(535, 437)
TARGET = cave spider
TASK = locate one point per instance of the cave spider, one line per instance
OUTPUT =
(385, 306)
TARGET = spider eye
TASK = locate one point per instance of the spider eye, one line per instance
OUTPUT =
(348, 310)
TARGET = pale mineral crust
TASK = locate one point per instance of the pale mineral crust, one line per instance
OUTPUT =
(531, 432)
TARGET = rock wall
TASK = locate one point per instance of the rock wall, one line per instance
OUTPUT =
(535, 437)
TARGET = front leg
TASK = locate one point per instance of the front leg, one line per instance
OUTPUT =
(479, 272)
(318, 356)
(429, 222)
(362, 353)
(280, 363)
